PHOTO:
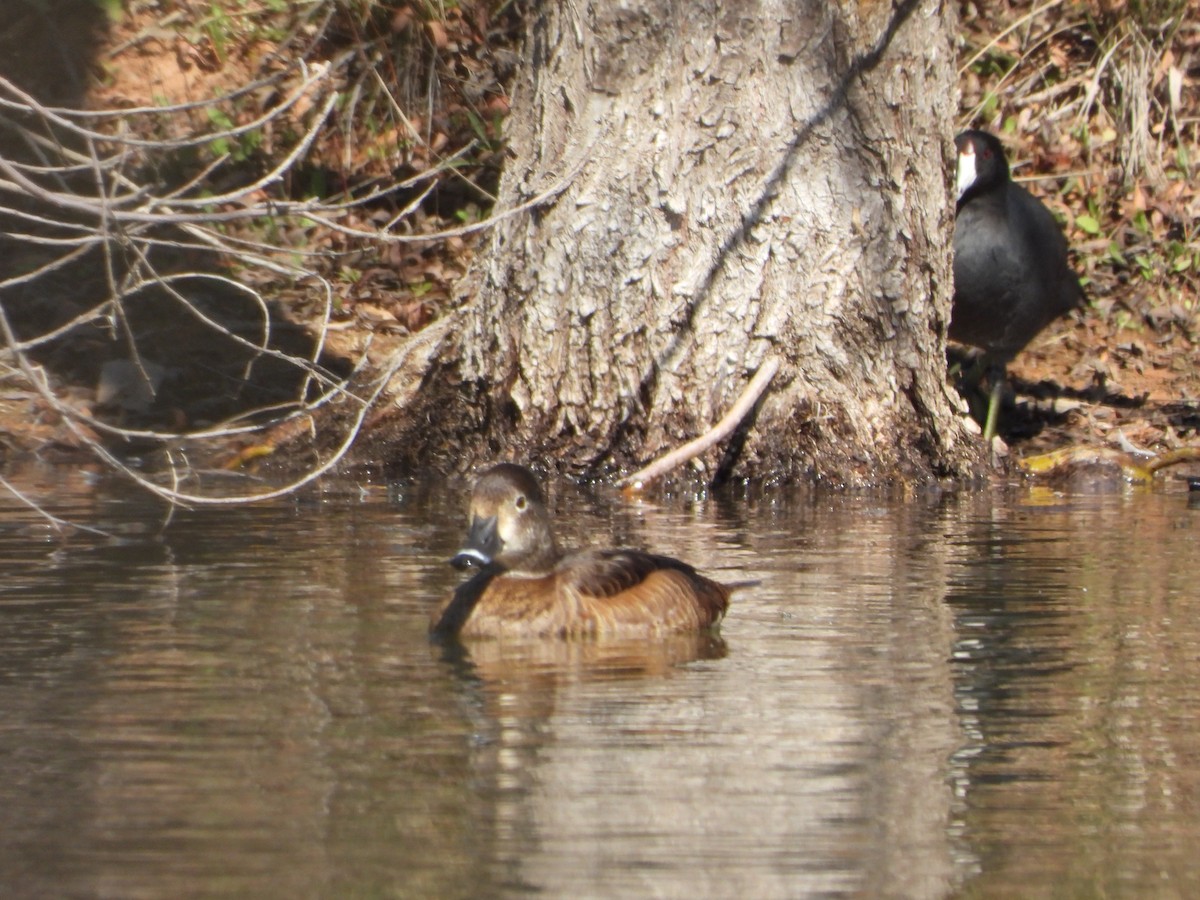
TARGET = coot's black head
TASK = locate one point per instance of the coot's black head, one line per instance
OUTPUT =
(981, 164)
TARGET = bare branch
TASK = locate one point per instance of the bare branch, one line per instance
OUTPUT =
(172, 231)
(740, 409)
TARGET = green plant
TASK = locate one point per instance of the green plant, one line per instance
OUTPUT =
(238, 148)
(113, 9)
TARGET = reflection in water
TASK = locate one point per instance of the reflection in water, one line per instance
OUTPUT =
(541, 665)
(518, 695)
(970, 695)
(1076, 665)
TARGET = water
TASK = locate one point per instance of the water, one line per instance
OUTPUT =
(976, 695)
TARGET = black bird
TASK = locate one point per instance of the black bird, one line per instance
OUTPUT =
(1011, 275)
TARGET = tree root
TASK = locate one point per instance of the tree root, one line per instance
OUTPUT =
(730, 421)
(1137, 471)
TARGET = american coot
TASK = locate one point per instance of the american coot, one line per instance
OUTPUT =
(527, 587)
(1011, 276)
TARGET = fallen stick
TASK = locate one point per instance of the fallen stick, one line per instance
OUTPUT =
(714, 435)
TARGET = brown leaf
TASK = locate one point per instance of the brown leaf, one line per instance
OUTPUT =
(414, 316)
(373, 314)
(402, 19)
(437, 34)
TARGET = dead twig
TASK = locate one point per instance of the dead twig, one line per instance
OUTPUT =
(740, 409)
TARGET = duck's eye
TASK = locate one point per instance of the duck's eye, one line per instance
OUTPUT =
(519, 503)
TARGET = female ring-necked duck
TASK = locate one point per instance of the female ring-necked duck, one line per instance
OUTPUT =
(1011, 275)
(527, 587)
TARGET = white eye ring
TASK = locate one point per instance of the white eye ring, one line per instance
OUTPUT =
(519, 503)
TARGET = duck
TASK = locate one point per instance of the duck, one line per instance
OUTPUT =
(527, 587)
(1011, 273)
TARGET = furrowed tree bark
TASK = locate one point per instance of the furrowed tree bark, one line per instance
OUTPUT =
(753, 181)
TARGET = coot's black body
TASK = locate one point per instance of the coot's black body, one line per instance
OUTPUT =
(1011, 275)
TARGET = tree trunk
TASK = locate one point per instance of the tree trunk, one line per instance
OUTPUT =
(746, 182)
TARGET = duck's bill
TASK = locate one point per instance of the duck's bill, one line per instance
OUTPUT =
(469, 558)
(481, 546)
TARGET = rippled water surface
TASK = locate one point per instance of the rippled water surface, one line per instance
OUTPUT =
(971, 695)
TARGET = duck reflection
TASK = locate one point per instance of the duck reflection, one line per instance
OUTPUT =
(546, 663)
(528, 704)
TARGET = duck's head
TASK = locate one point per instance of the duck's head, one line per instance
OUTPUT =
(510, 526)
